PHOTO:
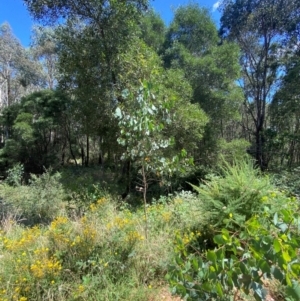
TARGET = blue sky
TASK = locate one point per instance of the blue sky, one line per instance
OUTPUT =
(14, 12)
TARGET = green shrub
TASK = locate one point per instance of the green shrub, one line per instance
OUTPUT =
(39, 202)
(252, 232)
(237, 192)
(234, 150)
(102, 255)
(266, 248)
(15, 175)
(288, 181)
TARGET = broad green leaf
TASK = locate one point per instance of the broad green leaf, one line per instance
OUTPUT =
(180, 289)
(195, 264)
(276, 245)
(288, 280)
(219, 289)
(286, 257)
(219, 239)
(206, 286)
(296, 268)
(294, 291)
(211, 256)
(212, 276)
(243, 268)
(282, 226)
(225, 234)
(264, 266)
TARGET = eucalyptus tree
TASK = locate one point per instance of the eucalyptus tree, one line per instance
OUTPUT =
(141, 64)
(284, 110)
(153, 30)
(145, 136)
(10, 51)
(92, 37)
(111, 21)
(260, 28)
(193, 28)
(19, 73)
(192, 44)
(17, 68)
(44, 49)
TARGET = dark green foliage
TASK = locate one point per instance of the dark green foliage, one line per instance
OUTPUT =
(153, 30)
(211, 69)
(193, 28)
(285, 118)
(288, 181)
(36, 129)
(51, 11)
(15, 175)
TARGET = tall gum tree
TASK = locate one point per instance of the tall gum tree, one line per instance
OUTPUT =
(93, 35)
(153, 30)
(260, 28)
(192, 45)
(284, 129)
(44, 50)
(112, 21)
(17, 69)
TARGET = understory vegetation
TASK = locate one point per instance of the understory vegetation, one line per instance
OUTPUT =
(235, 238)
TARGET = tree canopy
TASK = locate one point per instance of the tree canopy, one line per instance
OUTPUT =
(231, 89)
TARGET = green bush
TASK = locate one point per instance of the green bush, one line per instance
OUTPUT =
(288, 181)
(234, 150)
(15, 175)
(237, 192)
(251, 234)
(102, 255)
(39, 202)
(266, 248)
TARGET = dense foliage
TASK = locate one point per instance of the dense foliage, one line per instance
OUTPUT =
(251, 236)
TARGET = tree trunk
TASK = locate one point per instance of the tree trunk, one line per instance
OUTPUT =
(82, 155)
(260, 154)
(126, 173)
(87, 158)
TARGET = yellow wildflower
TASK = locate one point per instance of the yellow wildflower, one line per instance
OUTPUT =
(264, 198)
(81, 288)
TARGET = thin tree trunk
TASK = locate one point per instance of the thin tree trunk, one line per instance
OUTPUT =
(87, 159)
(145, 200)
(82, 155)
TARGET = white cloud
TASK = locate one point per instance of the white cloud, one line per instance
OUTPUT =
(216, 5)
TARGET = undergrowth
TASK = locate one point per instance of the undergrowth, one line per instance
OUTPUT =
(250, 237)
(101, 254)
(223, 242)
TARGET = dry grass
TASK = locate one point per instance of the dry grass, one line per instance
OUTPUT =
(164, 294)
